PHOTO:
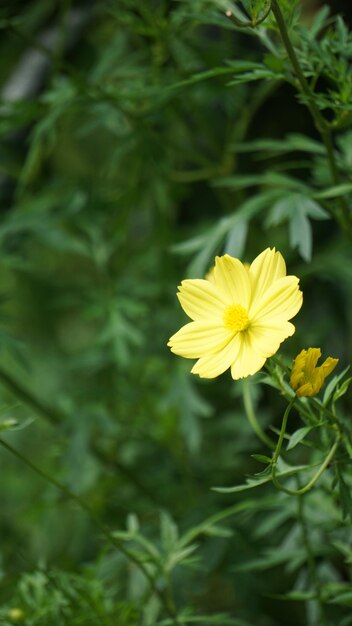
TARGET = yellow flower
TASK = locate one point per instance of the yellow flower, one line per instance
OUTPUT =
(240, 316)
(306, 378)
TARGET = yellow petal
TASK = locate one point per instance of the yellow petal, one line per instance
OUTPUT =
(232, 280)
(248, 361)
(266, 340)
(200, 299)
(210, 275)
(300, 360)
(215, 364)
(280, 302)
(305, 390)
(297, 374)
(199, 338)
(266, 269)
(311, 359)
(297, 378)
(329, 365)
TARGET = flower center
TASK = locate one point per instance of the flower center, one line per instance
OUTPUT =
(236, 318)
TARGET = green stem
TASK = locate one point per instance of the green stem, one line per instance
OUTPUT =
(282, 432)
(248, 405)
(104, 530)
(321, 123)
(314, 480)
(318, 473)
(56, 418)
(321, 469)
(303, 411)
(212, 520)
(48, 413)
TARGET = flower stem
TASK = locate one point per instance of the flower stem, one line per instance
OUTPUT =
(248, 405)
(318, 473)
(322, 125)
(321, 469)
(318, 118)
(282, 431)
(169, 607)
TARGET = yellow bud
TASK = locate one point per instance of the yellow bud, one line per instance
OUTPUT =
(306, 378)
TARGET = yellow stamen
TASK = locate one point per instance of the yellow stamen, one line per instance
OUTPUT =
(236, 318)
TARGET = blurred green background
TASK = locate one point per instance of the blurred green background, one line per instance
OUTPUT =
(114, 151)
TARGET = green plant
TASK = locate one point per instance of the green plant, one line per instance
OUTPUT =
(154, 136)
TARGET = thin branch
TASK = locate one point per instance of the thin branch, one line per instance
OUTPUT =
(104, 530)
(54, 417)
(251, 416)
(322, 125)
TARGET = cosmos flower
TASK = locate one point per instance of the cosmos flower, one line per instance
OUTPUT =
(239, 317)
(306, 378)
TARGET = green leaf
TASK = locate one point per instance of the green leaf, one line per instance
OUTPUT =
(279, 212)
(205, 258)
(273, 521)
(313, 209)
(332, 385)
(272, 558)
(345, 549)
(189, 246)
(257, 481)
(298, 436)
(176, 557)
(334, 192)
(340, 391)
(149, 550)
(296, 596)
(218, 619)
(261, 72)
(8, 424)
(206, 527)
(190, 406)
(262, 458)
(217, 531)
(236, 239)
(270, 179)
(343, 599)
(301, 233)
(235, 67)
(345, 495)
(292, 142)
(132, 524)
(238, 182)
(168, 531)
(210, 243)
(296, 208)
(151, 610)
